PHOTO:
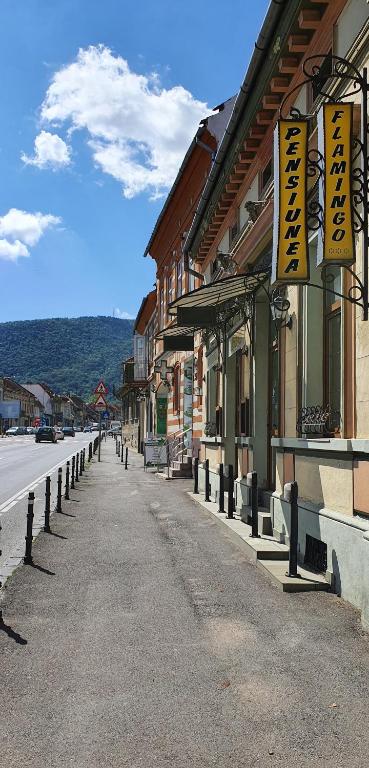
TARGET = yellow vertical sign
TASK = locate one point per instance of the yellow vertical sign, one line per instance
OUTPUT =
(337, 245)
(290, 237)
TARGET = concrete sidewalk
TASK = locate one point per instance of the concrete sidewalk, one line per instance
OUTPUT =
(143, 636)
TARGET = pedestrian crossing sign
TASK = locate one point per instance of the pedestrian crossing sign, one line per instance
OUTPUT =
(101, 388)
(100, 403)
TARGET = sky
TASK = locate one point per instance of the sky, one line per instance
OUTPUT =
(99, 102)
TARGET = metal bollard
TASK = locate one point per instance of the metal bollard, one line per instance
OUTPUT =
(230, 514)
(290, 495)
(28, 553)
(47, 504)
(196, 475)
(84, 459)
(66, 494)
(126, 462)
(207, 481)
(221, 488)
(90, 451)
(77, 468)
(81, 463)
(59, 496)
(252, 482)
(121, 454)
(73, 470)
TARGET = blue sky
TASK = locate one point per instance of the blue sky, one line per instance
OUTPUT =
(99, 102)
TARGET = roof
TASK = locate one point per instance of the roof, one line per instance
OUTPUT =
(262, 48)
(147, 307)
(216, 124)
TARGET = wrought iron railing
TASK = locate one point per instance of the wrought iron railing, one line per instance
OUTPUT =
(318, 421)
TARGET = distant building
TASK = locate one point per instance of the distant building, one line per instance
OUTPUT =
(18, 406)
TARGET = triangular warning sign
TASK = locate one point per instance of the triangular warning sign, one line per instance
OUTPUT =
(101, 402)
(101, 388)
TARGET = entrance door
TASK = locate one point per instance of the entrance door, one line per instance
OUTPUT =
(161, 413)
(274, 398)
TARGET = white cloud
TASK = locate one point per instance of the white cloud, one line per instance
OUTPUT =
(138, 131)
(12, 251)
(50, 152)
(121, 314)
(19, 229)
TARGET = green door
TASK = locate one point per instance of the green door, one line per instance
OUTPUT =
(161, 415)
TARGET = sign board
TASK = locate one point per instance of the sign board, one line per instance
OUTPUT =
(155, 452)
(290, 232)
(10, 409)
(100, 403)
(105, 415)
(101, 388)
(161, 415)
(337, 246)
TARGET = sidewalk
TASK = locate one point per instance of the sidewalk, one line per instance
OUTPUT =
(143, 636)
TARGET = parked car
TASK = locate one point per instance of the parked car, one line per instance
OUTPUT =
(68, 432)
(87, 429)
(13, 431)
(31, 430)
(59, 433)
(46, 434)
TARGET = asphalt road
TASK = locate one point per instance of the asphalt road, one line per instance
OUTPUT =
(23, 467)
(145, 638)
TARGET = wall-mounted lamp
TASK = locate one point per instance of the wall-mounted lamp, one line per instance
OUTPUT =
(279, 307)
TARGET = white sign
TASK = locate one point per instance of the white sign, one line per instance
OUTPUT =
(155, 452)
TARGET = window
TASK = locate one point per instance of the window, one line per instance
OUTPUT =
(161, 319)
(176, 388)
(265, 177)
(242, 395)
(233, 231)
(179, 276)
(332, 351)
(169, 291)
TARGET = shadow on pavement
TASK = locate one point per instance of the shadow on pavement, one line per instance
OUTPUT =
(43, 570)
(58, 535)
(13, 635)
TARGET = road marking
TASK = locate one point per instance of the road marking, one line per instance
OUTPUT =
(23, 492)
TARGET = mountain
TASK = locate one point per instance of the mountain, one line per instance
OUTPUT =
(69, 354)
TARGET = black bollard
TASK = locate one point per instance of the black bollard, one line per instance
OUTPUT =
(28, 553)
(196, 475)
(221, 488)
(207, 481)
(66, 494)
(291, 496)
(80, 464)
(252, 482)
(73, 471)
(230, 514)
(59, 496)
(126, 461)
(77, 468)
(47, 504)
(84, 459)
(90, 451)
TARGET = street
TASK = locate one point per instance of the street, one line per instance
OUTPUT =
(144, 636)
(24, 466)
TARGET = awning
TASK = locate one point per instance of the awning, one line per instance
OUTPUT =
(199, 307)
(177, 338)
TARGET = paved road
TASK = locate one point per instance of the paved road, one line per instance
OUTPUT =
(151, 641)
(24, 466)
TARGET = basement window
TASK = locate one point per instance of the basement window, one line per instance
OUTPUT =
(315, 554)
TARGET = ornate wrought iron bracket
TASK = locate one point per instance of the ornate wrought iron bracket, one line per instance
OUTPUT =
(328, 75)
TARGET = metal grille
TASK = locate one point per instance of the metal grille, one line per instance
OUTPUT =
(315, 553)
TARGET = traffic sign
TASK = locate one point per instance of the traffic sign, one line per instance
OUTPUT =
(101, 403)
(105, 415)
(101, 388)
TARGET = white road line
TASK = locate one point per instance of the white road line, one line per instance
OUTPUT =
(23, 492)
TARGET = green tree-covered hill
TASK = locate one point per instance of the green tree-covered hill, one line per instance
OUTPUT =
(69, 354)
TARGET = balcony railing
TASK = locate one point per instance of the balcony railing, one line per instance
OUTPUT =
(318, 421)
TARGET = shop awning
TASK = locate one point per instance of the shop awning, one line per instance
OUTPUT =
(177, 338)
(199, 307)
